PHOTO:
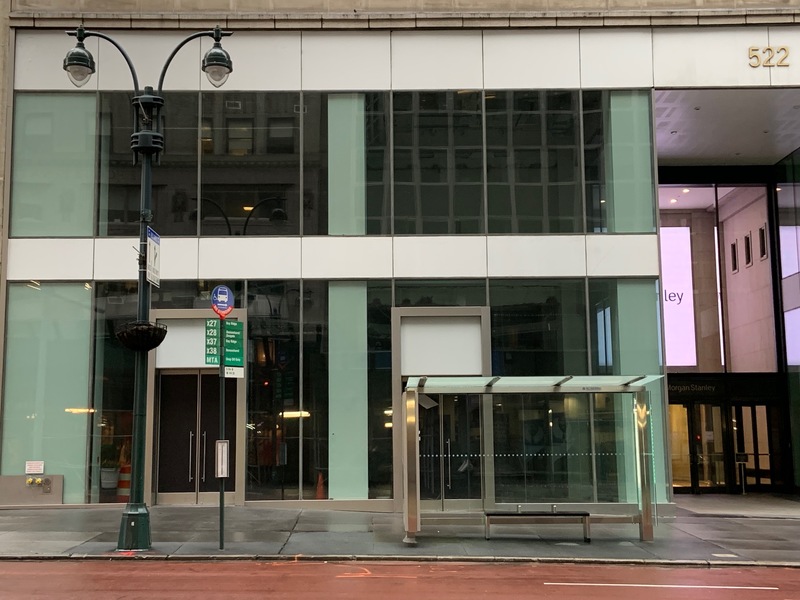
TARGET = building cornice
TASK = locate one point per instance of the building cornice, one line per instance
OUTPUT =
(408, 20)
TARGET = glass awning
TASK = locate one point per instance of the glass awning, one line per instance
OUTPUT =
(525, 385)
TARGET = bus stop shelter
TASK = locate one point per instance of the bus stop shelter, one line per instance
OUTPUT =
(633, 388)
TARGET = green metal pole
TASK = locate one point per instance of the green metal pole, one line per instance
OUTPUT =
(134, 529)
(222, 429)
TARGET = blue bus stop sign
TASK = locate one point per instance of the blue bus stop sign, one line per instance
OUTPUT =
(222, 300)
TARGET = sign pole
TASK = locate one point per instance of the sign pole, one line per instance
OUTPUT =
(221, 428)
(222, 304)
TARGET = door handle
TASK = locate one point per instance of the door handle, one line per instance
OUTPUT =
(449, 466)
(191, 452)
(204, 457)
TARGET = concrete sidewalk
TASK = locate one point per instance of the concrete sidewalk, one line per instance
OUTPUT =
(707, 530)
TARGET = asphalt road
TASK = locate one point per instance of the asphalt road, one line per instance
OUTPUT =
(246, 579)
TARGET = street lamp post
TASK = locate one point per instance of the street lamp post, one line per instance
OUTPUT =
(147, 143)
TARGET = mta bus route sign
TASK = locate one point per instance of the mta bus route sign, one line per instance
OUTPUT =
(234, 346)
(222, 301)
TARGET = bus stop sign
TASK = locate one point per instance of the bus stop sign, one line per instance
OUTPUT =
(222, 301)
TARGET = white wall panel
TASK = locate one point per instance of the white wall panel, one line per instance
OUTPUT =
(39, 59)
(707, 57)
(67, 259)
(531, 59)
(347, 257)
(179, 258)
(441, 346)
(437, 60)
(790, 38)
(346, 60)
(262, 60)
(185, 344)
(249, 258)
(116, 258)
(622, 255)
(537, 256)
(149, 51)
(616, 58)
(459, 256)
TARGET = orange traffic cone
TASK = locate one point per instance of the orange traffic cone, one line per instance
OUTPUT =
(321, 495)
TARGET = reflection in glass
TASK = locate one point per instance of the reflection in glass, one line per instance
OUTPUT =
(438, 144)
(174, 196)
(346, 177)
(533, 175)
(439, 292)
(273, 394)
(538, 327)
(619, 167)
(451, 466)
(250, 164)
(112, 421)
(542, 448)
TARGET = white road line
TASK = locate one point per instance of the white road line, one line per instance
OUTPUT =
(660, 585)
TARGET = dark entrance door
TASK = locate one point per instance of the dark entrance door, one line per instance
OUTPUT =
(188, 429)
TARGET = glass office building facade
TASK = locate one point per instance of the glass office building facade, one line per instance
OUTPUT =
(357, 176)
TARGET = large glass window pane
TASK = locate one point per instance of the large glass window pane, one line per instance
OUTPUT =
(625, 340)
(112, 419)
(315, 402)
(174, 190)
(57, 131)
(438, 292)
(438, 145)
(46, 411)
(250, 163)
(538, 327)
(192, 294)
(273, 390)
(533, 166)
(618, 161)
(379, 380)
(346, 163)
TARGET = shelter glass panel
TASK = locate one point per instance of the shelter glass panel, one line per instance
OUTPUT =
(542, 448)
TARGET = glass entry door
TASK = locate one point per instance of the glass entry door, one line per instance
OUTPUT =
(451, 466)
(188, 429)
(698, 447)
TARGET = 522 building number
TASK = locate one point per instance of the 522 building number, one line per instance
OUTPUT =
(768, 56)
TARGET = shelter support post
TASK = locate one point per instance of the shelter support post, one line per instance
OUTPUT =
(411, 502)
(643, 425)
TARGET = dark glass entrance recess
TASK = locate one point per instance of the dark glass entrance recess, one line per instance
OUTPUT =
(188, 428)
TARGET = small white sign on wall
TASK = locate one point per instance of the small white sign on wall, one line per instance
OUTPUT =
(34, 467)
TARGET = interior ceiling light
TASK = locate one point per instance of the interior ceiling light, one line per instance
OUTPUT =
(247, 208)
(673, 200)
(686, 190)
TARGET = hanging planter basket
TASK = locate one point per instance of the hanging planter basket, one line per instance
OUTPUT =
(141, 336)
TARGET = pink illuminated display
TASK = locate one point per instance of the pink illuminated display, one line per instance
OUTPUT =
(677, 298)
